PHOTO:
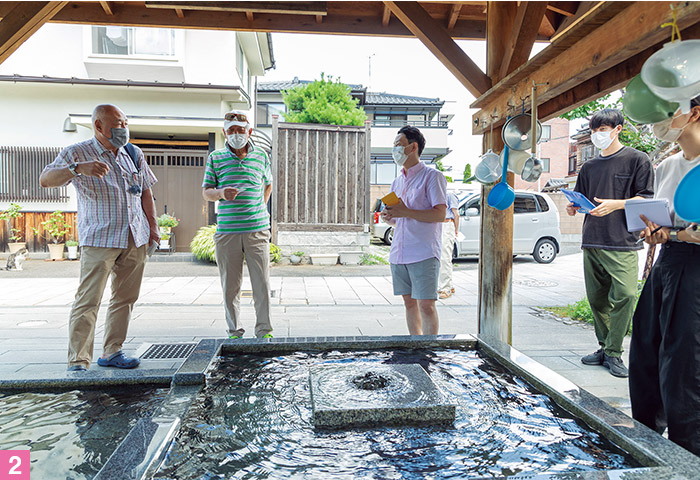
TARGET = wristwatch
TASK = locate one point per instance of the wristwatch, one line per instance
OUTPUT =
(673, 235)
(72, 167)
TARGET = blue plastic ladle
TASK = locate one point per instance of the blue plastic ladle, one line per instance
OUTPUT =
(502, 195)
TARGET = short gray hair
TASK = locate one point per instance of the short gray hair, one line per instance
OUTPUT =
(100, 110)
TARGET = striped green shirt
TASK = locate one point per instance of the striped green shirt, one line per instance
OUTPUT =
(247, 212)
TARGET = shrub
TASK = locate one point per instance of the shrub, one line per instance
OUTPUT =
(372, 259)
(71, 243)
(9, 216)
(167, 220)
(298, 254)
(202, 245)
(275, 253)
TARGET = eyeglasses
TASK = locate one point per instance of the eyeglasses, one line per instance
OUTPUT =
(239, 117)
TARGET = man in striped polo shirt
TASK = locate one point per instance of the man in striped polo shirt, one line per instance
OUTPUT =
(116, 223)
(239, 177)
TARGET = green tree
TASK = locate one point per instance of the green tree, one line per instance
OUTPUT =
(636, 136)
(323, 101)
(439, 166)
(467, 172)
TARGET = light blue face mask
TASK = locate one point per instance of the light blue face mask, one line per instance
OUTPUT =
(120, 137)
(399, 156)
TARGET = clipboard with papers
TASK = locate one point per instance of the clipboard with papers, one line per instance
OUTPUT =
(656, 210)
(579, 200)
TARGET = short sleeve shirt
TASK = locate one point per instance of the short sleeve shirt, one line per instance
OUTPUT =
(625, 174)
(420, 188)
(452, 203)
(107, 211)
(248, 211)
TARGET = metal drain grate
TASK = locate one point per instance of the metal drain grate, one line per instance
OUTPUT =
(168, 350)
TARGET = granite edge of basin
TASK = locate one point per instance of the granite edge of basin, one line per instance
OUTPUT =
(648, 447)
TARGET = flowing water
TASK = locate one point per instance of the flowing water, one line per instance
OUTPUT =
(71, 435)
(253, 421)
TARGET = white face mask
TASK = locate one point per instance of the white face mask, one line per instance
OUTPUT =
(237, 140)
(602, 140)
(399, 155)
(664, 132)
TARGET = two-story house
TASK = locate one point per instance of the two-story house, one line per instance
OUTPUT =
(387, 113)
(174, 85)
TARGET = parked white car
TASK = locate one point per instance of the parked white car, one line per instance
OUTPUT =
(535, 226)
(379, 227)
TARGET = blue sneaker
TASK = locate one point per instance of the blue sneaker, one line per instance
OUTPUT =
(119, 360)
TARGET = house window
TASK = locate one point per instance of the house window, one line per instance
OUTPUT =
(546, 133)
(130, 41)
(20, 168)
(545, 164)
(267, 110)
(382, 173)
(386, 120)
(239, 61)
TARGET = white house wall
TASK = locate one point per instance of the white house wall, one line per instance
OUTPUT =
(384, 136)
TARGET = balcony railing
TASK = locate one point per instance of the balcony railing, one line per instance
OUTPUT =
(413, 123)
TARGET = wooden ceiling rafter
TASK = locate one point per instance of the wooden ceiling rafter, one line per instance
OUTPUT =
(440, 43)
(522, 35)
(386, 16)
(22, 21)
(108, 7)
(287, 8)
(454, 16)
(180, 13)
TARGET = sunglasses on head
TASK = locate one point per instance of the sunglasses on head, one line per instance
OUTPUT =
(238, 117)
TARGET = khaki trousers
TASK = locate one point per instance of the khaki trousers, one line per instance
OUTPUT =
(448, 244)
(125, 265)
(231, 249)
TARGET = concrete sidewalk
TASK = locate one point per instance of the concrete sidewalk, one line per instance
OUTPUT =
(34, 316)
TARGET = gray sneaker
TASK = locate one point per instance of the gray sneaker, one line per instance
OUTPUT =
(616, 367)
(595, 358)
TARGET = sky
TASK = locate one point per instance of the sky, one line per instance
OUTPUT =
(398, 65)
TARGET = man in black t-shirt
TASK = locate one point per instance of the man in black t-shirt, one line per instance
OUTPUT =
(610, 259)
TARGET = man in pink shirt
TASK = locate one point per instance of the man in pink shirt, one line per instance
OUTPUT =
(417, 219)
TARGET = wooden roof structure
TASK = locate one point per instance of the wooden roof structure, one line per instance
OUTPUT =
(595, 47)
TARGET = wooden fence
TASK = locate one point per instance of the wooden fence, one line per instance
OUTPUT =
(321, 177)
(30, 220)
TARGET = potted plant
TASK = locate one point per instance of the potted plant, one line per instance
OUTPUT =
(72, 246)
(164, 240)
(166, 223)
(14, 240)
(57, 227)
(296, 257)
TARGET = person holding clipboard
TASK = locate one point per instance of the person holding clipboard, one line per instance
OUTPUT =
(610, 259)
(665, 349)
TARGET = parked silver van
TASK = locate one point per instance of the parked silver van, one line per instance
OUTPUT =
(535, 226)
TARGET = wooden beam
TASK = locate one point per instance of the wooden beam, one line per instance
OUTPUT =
(179, 13)
(386, 15)
(454, 15)
(438, 41)
(499, 19)
(636, 28)
(337, 22)
(288, 8)
(108, 7)
(319, 19)
(548, 25)
(568, 9)
(22, 21)
(522, 35)
(609, 81)
(249, 16)
(584, 8)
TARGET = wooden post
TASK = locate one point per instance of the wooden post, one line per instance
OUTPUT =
(496, 242)
(274, 161)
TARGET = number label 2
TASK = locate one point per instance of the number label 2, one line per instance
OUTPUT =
(14, 464)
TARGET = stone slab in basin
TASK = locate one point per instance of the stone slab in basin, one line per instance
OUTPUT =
(398, 395)
(350, 258)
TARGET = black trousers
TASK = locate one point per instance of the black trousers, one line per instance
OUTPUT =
(664, 365)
